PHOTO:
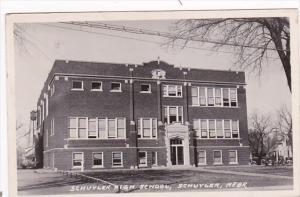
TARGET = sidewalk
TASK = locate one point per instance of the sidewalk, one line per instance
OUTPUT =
(243, 173)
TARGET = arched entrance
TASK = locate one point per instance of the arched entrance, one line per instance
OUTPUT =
(177, 152)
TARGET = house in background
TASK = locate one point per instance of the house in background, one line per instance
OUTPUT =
(95, 116)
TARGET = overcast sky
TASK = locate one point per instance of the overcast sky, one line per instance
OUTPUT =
(43, 43)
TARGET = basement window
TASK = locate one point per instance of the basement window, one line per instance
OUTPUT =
(77, 85)
(115, 87)
(145, 88)
(96, 86)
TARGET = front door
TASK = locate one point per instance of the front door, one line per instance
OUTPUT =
(177, 151)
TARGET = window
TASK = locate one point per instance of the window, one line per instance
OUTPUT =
(225, 97)
(212, 129)
(219, 126)
(210, 96)
(111, 128)
(172, 91)
(218, 100)
(52, 127)
(195, 98)
(196, 127)
(202, 96)
(98, 159)
(77, 85)
(173, 114)
(202, 157)
(145, 88)
(96, 86)
(154, 158)
(214, 96)
(77, 160)
(115, 87)
(52, 90)
(227, 129)
(46, 104)
(46, 138)
(121, 129)
(73, 127)
(233, 157)
(204, 129)
(142, 159)
(117, 159)
(217, 157)
(82, 126)
(233, 97)
(147, 128)
(103, 128)
(235, 129)
(92, 131)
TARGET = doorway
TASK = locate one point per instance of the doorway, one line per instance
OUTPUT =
(177, 157)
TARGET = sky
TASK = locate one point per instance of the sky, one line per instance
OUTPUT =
(42, 43)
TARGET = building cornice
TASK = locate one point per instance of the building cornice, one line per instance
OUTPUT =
(143, 79)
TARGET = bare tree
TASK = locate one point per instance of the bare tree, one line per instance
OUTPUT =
(284, 124)
(260, 139)
(253, 39)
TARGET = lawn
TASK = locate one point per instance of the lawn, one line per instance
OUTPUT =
(153, 180)
(274, 170)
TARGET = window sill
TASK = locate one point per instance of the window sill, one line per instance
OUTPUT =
(147, 138)
(95, 90)
(215, 106)
(144, 92)
(217, 164)
(118, 166)
(97, 167)
(218, 138)
(115, 90)
(143, 166)
(95, 139)
(172, 97)
(77, 168)
(73, 89)
(235, 163)
(202, 164)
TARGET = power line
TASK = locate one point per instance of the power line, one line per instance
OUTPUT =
(141, 40)
(160, 34)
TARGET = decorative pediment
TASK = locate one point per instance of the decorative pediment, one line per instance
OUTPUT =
(177, 127)
(158, 74)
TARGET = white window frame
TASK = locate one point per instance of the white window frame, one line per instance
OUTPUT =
(205, 162)
(214, 163)
(197, 96)
(112, 160)
(149, 91)
(236, 157)
(77, 89)
(88, 128)
(52, 127)
(96, 90)
(47, 104)
(146, 157)
(222, 125)
(98, 166)
(221, 96)
(97, 128)
(215, 130)
(82, 160)
(230, 128)
(177, 113)
(156, 158)
(151, 128)
(178, 87)
(120, 89)
(236, 96)
(52, 90)
(47, 138)
(238, 129)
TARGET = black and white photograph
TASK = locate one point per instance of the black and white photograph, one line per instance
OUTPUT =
(153, 102)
